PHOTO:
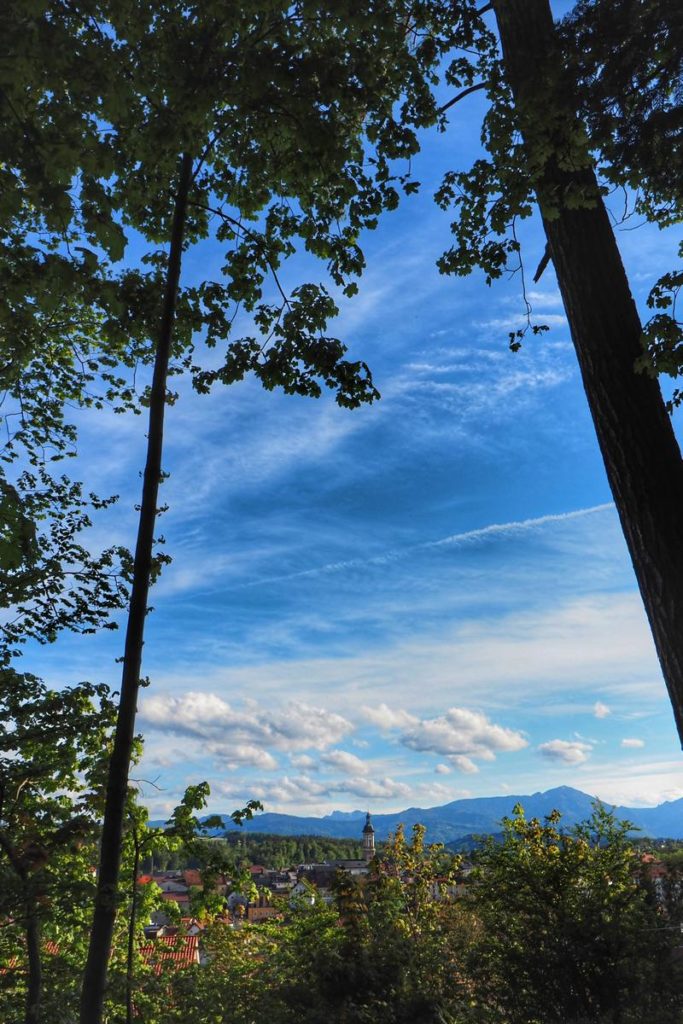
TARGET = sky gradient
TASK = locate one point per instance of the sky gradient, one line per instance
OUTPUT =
(403, 604)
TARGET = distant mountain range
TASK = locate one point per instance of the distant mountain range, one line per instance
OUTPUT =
(462, 818)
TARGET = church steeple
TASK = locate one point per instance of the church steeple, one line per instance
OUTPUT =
(368, 839)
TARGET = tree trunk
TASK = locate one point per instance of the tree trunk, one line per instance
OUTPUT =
(131, 933)
(34, 989)
(641, 455)
(106, 899)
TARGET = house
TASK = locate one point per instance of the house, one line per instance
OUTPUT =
(176, 951)
(656, 873)
(191, 926)
(182, 899)
(259, 912)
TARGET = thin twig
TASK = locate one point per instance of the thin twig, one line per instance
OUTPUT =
(239, 226)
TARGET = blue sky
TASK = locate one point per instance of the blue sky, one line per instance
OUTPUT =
(404, 604)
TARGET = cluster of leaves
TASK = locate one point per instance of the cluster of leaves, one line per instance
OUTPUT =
(626, 58)
(49, 578)
(503, 185)
(53, 752)
(567, 930)
(615, 97)
(54, 747)
(663, 333)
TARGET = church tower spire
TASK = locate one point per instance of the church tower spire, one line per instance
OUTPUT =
(368, 839)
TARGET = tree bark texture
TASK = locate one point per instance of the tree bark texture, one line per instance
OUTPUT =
(106, 899)
(640, 451)
(34, 988)
(130, 1010)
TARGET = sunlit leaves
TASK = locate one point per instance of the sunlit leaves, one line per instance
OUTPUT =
(567, 931)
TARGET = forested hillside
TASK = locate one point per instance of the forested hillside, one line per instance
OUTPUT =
(273, 851)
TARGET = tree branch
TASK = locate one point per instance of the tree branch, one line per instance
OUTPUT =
(545, 260)
(461, 96)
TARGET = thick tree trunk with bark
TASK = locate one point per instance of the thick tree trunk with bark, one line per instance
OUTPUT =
(106, 899)
(639, 448)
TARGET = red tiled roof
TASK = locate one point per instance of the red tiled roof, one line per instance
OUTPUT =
(180, 951)
(14, 962)
(177, 897)
(192, 877)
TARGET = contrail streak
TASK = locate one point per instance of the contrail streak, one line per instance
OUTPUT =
(455, 540)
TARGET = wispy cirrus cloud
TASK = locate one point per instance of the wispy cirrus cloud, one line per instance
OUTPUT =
(468, 537)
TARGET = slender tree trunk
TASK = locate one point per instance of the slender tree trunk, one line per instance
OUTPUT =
(34, 991)
(106, 898)
(131, 934)
(641, 455)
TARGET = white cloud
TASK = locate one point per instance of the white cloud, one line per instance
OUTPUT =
(542, 654)
(464, 764)
(301, 790)
(632, 743)
(235, 754)
(601, 710)
(345, 762)
(438, 791)
(297, 726)
(381, 789)
(303, 761)
(510, 323)
(636, 783)
(545, 298)
(442, 769)
(566, 751)
(462, 734)
(388, 718)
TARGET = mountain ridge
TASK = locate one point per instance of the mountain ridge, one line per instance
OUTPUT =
(467, 816)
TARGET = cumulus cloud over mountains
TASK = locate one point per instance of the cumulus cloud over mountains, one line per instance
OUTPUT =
(460, 734)
(463, 732)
